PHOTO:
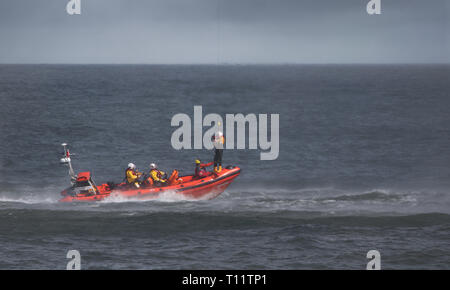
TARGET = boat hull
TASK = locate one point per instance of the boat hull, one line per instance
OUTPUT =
(188, 187)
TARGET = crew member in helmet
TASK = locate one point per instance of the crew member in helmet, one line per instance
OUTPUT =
(132, 175)
(218, 141)
(157, 175)
(200, 170)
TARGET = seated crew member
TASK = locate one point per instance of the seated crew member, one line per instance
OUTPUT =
(200, 170)
(132, 175)
(157, 175)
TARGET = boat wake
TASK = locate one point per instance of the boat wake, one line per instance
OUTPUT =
(324, 201)
(27, 195)
(28, 200)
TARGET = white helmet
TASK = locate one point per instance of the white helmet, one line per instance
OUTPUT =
(131, 165)
(152, 165)
(219, 134)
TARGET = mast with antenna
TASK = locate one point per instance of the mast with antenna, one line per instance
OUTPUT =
(67, 160)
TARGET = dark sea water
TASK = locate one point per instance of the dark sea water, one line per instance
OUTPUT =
(364, 165)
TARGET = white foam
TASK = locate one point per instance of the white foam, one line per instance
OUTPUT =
(31, 196)
(166, 196)
(28, 200)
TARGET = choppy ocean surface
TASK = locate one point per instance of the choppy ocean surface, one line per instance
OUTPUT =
(364, 165)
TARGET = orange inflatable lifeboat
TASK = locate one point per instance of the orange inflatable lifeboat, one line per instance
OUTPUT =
(208, 186)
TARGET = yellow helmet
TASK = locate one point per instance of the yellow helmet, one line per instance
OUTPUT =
(197, 161)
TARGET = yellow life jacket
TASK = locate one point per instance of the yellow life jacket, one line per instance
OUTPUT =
(156, 175)
(131, 175)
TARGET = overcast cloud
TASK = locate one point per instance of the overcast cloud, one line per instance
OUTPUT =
(229, 31)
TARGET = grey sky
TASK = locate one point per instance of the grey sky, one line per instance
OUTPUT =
(229, 31)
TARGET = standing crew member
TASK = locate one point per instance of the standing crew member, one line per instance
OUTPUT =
(157, 175)
(200, 170)
(218, 140)
(132, 175)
